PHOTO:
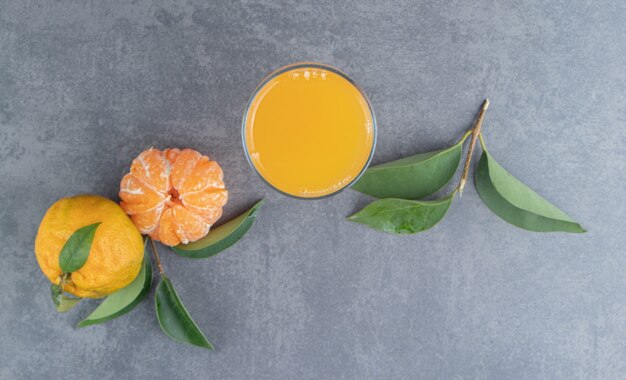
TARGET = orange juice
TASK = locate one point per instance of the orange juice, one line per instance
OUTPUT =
(309, 131)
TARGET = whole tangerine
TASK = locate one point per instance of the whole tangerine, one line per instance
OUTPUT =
(116, 252)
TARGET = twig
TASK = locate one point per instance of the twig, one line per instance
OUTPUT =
(63, 280)
(475, 134)
(156, 257)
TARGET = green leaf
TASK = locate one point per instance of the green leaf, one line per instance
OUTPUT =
(61, 302)
(174, 318)
(516, 203)
(401, 216)
(124, 300)
(220, 237)
(75, 252)
(412, 177)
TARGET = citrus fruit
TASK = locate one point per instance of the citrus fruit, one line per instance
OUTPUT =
(116, 252)
(174, 195)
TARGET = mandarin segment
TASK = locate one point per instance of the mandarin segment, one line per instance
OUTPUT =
(191, 226)
(171, 154)
(137, 196)
(206, 174)
(210, 214)
(147, 221)
(214, 197)
(166, 231)
(189, 205)
(153, 169)
(183, 165)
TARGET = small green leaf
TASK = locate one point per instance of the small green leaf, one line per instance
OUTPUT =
(124, 300)
(516, 203)
(174, 318)
(412, 177)
(401, 216)
(76, 249)
(221, 237)
(61, 302)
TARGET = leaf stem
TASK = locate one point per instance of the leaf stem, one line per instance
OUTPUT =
(475, 136)
(157, 259)
(462, 139)
(482, 142)
(63, 280)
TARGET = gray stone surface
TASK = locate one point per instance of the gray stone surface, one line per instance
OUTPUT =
(85, 86)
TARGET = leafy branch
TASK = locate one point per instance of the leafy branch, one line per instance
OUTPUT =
(402, 184)
(172, 315)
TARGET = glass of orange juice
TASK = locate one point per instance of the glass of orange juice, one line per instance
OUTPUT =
(308, 130)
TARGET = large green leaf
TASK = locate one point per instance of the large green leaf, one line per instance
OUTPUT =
(75, 252)
(516, 203)
(124, 300)
(61, 302)
(412, 177)
(174, 318)
(221, 237)
(401, 216)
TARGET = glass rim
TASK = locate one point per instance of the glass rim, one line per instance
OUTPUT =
(317, 65)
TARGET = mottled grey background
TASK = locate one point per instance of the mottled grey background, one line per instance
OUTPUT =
(86, 85)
